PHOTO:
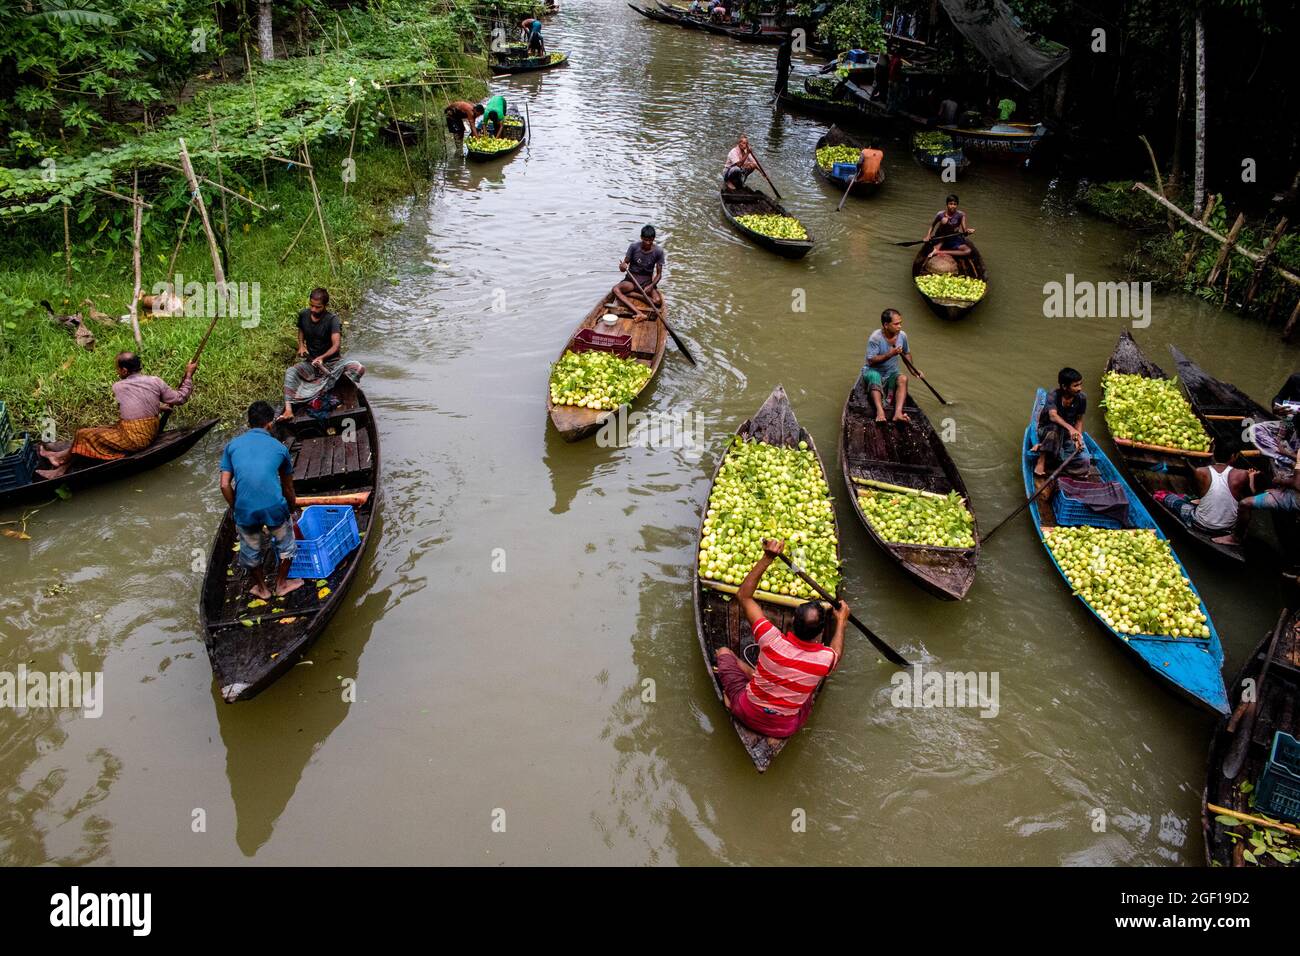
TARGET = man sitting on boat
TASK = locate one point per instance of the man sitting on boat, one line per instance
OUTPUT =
(257, 483)
(532, 29)
(138, 399)
(491, 116)
(881, 371)
(1060, 424)
(321, 365)
(1221, 486)
(1287, 399)
(775, 697)
(644, 262)
(1279, 442)
(950, 227)
(869, 165)
(460, 117)
(740, 163)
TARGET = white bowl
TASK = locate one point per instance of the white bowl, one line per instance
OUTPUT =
(610, 318)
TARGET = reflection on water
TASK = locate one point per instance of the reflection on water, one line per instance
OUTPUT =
(521, 638)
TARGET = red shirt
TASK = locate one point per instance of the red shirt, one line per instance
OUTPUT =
(788, 670)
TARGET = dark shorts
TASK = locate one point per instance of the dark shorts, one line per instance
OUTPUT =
(1058, 444)
(734, 681)
(735, 175)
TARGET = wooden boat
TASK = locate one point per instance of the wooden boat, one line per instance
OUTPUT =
(1152, 469)
(910, 454)
(719, 621)
(247, 657)
(936, 161)
(1013, 142)
(862, 188)
(1222, 408)
(646, 337)
(971, 265)
(513, 129)
(1277, 709)
(85, 472)
(749, 202)
(530, 64)
(658, 16)
(1191, 666)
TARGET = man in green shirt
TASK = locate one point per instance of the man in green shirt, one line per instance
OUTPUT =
(491, 116)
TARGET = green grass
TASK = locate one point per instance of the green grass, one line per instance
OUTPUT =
(43, 374)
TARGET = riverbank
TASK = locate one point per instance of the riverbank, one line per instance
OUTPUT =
(340, 105)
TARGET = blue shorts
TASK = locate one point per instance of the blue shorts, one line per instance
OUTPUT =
(253, 543)
(1277, 499)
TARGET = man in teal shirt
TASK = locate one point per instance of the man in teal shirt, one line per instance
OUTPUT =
(257, 483)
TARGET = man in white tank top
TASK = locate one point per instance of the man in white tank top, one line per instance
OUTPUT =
(1221, 487)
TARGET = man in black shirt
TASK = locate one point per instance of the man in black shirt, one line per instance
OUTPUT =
(1060, 424)
(319, 331)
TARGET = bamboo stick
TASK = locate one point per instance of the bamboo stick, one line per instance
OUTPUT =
(67, 251)
(1167, 449)
(208, 182)
(189, 211)
(296, 237)
(356, 498)
(315, 195)
(1263, 262)
(356, 116)
(109, 192)
(886, 486)
(1239, 249)
(1226, 251)
(137, 220)
(218, 272)
(1196, 238)
(221, 178)
(1247, 818)
(400, 138)
(767, 597)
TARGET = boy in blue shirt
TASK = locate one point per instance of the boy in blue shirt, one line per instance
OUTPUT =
(257, 483)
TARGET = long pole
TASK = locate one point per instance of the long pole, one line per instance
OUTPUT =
(892, 655)
(1046, 484)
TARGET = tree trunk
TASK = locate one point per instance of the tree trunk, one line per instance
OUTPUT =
(1062, 79)
(265, 38)
(1198, 189)
(1180, 121)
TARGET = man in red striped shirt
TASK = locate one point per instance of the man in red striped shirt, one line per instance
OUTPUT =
(775, 698)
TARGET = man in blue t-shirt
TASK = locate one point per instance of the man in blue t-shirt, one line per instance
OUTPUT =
(257, 483)
(643, 267)
(881, 371)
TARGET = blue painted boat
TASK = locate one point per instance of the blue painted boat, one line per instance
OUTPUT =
(1192, 666)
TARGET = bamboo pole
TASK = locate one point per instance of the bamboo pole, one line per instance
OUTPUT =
(902, 489)
(1226, 251)
(137, 221)
(221, 178)
(296, 237)
(217, 270)
(767, 597)
(109, 192)
(356, 117)
(67, 250)
(315, 195)
(189, 211)
(1264, 259)
(1166, 449)
(392, 110)
(1238, 248)
(208, 182)
(1247, 818)
(1196, 237)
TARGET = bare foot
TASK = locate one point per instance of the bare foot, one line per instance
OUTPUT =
(53, 457)
(285, 416)
(901, 417)
(881, 418)
(1229, 539)
(292, 584)
(49, 474)
(261, 591)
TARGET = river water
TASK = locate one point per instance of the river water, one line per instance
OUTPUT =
(525, 597)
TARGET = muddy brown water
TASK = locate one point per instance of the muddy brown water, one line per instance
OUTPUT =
(521, 592)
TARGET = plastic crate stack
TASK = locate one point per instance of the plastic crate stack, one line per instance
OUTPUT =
(17, 454)
(1278, 791)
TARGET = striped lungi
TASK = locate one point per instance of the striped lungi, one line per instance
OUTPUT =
(115, 441)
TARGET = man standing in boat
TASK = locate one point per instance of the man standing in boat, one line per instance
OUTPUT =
(138, 399)
(775, 696)
(784, 53)
(740, 163)
(644, 262)
(532, 29)
(1060, 424)
(257, 483)
(882, 372)
(950, 228)
(869, 165)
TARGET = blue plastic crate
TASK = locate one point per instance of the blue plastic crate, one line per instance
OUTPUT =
(18, 462)
(844, 170)
(857, 56)
(329, 534)
(1072, 512)
(1278, 790)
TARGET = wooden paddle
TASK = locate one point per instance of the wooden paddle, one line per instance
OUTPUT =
(1247, 711)
(1030, 500)
(659, 314)
(918, 242)
(775, 191)
(852, 182)
(890, 654)
(162, 422)
(912, 368)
